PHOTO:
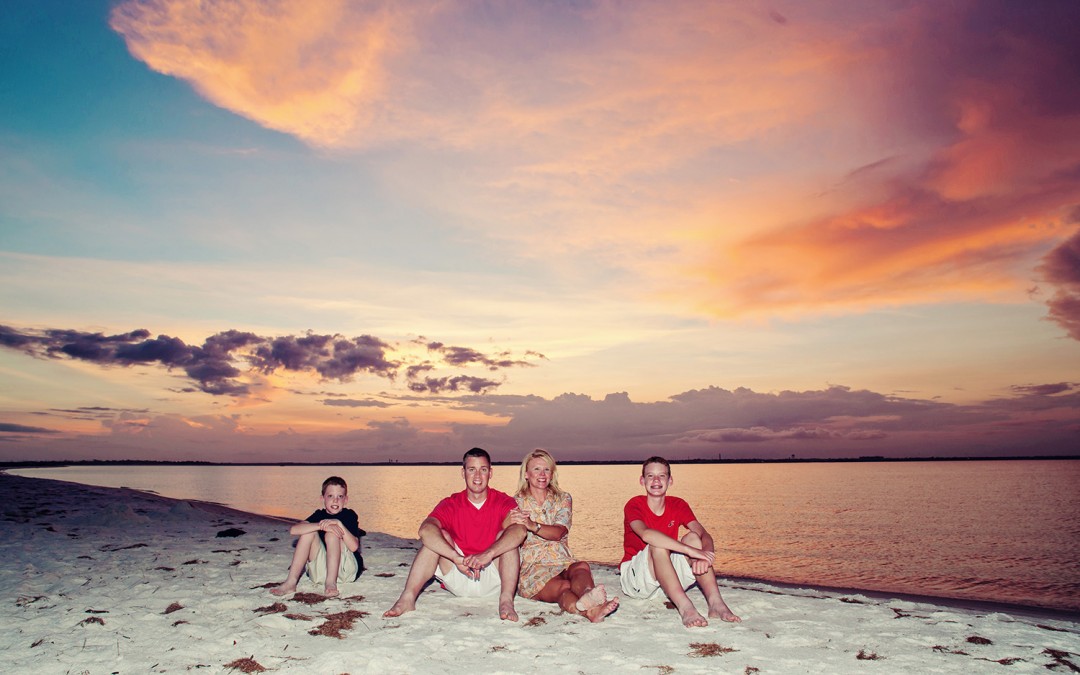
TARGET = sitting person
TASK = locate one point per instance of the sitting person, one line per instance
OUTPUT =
(548, 572)
(468, 543)
(653, 556)
(334, 554)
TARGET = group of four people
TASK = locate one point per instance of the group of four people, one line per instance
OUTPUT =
(481, 542)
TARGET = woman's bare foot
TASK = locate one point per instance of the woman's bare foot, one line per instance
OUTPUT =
(331, 591)
(594, 597)
(399, 608)
(507, 611)
(600, 612)
(284, 589)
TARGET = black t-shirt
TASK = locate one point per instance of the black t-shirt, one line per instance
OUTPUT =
(349, 519)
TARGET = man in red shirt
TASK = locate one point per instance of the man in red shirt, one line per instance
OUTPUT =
(655, 558)
(468, 543)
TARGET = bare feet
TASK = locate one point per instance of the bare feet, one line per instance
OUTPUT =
(721, 611)
(725, 615)
(331, 591)
(507, 611)
(600, 612)
(400, 607)
(691, 618)
(594, 597)
(284, 589)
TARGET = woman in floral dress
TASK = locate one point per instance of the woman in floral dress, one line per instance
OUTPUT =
(548, 572)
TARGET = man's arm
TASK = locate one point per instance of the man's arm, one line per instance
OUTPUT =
(511, 537)
(660, 540)
(432, 537)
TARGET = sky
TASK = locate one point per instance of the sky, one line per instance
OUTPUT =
(336, 231)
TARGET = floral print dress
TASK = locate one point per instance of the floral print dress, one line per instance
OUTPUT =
(541, 559)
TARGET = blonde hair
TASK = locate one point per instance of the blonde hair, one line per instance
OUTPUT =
(553, 484)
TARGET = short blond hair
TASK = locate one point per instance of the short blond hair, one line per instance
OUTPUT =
(553, 484)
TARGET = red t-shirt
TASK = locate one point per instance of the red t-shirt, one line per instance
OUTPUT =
(676, 513)
(473, 529)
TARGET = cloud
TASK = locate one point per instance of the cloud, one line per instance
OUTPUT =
(9, 428)
(438, 385)
(312, 69)
(213, 366)
(355, 403)
(837, 422)
(1061, 268)
(985, 188)
(464, 356)
(733, 159)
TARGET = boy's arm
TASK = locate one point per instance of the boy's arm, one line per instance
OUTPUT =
(660, 540)
(304, 527)
(701, 566)
(703, 534)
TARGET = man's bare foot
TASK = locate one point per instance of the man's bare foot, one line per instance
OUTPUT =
(284, 589)
(331, 591)
(399, 608)
(507, 611)
(594, 597)
(691, 618)
(600, 612)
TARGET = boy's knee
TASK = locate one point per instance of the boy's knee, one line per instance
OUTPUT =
(691, 539)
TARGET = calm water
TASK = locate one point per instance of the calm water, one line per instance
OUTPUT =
(1005, 531)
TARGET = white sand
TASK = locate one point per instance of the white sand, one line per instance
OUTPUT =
(89, 576)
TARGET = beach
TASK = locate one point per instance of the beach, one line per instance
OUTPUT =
(105, 580)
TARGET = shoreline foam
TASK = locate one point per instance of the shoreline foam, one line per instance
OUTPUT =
(106, 580)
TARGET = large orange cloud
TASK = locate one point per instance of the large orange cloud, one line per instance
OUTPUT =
(312, 69)
(741, 158)
(972, 208)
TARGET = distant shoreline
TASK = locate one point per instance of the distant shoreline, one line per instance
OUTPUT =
(617, 462)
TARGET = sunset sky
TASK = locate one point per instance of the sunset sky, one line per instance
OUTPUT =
(342, 230)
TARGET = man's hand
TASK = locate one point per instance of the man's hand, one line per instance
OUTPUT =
(476, 563)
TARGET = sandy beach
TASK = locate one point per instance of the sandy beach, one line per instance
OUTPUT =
(99, 580)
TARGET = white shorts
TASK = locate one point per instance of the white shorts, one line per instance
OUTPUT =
(462, 586)
(638, 581)
(316, 569)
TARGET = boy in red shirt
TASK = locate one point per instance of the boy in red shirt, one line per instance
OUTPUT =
(468, 543)
(655, 558)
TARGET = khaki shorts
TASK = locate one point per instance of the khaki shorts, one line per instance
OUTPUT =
(638, 581)
(347, 570)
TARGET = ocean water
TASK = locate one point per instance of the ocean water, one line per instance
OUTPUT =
(998, 531)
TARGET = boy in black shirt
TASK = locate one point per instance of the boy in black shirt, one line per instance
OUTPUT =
(335, 553)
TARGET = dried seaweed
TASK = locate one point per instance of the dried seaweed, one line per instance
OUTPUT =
(335, 623)
(246, 665)
(703, 649)
(276, 608)
(174, 607)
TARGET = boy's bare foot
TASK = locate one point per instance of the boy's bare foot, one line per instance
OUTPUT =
(724, 615)
(691, 618)
(331, 591)
(594, 597)
(284, 589)
(507, 611)
(600, 612)
(399, 608)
